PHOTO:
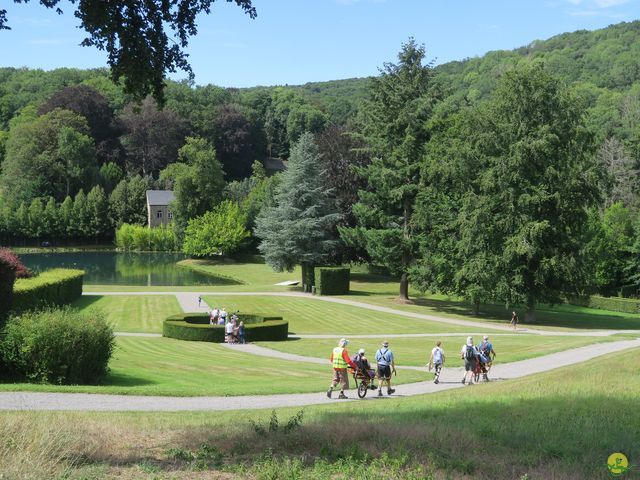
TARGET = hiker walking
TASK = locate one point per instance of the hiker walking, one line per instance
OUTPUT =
(386, 365)
(469, 354)
(436, 360)
(340, 361)
(514, 320)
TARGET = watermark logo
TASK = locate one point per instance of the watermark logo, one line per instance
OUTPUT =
(618, 464)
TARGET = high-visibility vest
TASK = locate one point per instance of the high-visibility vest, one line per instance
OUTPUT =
(338, 361)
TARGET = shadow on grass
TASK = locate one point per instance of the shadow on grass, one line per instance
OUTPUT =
(119, 379)
(86, 301)
(565, 316)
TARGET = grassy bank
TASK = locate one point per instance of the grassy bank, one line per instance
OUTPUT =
(163, 366)
(562, 425)
(309, 316)
(132, 313)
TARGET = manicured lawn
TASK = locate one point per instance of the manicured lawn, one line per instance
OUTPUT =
(556, 317)
(132, 313)
(309, 316)
(163, 366)
(416, 351)
(248, 272)
(562, 425)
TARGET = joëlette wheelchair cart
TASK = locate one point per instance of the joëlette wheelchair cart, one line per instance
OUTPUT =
(363, 381)
(477, 372)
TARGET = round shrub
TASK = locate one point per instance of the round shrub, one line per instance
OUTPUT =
(195, 326)
(60, 346)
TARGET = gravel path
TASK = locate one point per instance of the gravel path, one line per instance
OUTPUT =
(450, 378)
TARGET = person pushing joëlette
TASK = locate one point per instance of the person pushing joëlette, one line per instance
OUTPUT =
(340, 361)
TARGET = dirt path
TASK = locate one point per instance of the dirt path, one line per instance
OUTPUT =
(450, 378)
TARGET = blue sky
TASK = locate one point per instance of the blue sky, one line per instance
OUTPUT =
(297, 41)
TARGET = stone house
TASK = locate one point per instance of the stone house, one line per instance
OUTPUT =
(158, 212)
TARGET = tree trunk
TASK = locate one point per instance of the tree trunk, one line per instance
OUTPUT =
(308, 277)
(404, 287)
(530, 314)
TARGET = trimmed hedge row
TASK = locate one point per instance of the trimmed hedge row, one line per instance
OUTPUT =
(57, 346)
(615, 304)
(54, 287)
(332, 280)
(195, 327)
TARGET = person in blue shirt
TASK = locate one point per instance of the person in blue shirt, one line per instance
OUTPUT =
(487, 355)
(386, 365)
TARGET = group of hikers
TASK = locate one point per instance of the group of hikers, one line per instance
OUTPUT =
(234, 331)
(476, 358)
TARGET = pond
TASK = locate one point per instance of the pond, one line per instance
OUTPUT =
(114, 268)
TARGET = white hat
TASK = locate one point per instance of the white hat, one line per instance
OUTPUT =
(343, 342)
(361, 351)
(486, 337)
(469, 340)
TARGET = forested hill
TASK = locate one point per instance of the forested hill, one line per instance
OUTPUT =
(603, 64)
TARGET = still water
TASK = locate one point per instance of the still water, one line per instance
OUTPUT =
(113, 268)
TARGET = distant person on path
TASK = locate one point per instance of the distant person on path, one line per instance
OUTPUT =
(469, 354)
(199, 301)
(223, 315)
(436, 360)
(340, 361)
(514, 320)
(386, 365)
(229, 332)
(241, 332)
(213, 318)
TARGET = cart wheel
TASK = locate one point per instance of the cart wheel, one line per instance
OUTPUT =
(362, 390)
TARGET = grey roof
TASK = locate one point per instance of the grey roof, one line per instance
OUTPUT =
(159, 197)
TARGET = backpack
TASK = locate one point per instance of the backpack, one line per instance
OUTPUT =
(484, 349)
(469, 354)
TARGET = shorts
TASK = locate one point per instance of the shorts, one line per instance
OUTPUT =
(384, 371)
(469, 365)
(340, 376)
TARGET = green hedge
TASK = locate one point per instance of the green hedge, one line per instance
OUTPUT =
(615, 304)
(332, 280)
(51, 288)
(59, 346)
(195, 327)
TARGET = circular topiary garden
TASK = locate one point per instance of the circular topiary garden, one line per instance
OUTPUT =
(196, 327)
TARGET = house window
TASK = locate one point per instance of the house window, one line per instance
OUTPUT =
(170, 216)
(159, 214)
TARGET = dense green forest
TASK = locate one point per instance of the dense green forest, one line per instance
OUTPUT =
(77, 153)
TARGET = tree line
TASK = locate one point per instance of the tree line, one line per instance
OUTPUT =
(520, 191)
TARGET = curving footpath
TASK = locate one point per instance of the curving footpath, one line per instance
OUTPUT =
(450, 378)
(189, 303)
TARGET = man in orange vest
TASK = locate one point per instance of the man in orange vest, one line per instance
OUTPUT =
(340, 360)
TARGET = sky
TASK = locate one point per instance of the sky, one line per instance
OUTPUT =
(298, 41)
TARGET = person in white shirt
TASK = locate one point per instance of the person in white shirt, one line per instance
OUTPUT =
(469, 354)
(436, 360)
(229, 331)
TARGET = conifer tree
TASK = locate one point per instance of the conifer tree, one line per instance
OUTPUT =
(300, 228)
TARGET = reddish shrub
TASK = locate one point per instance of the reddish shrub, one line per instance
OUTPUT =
(11, 261)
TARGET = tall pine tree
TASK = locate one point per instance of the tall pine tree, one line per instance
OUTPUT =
(300, 228)
(395, 128)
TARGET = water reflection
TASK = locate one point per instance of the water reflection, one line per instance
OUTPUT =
(113, 268)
